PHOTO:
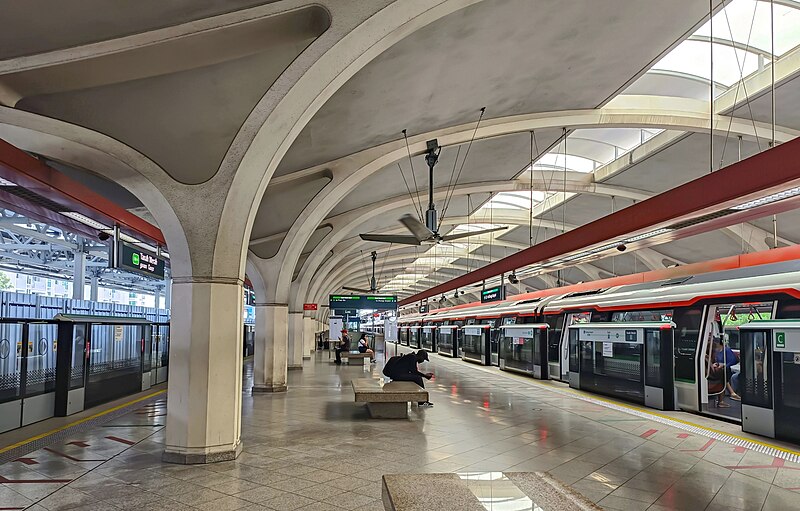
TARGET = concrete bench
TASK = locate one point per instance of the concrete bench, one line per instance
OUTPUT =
(423, 492)
(349, 355)
(389, 401)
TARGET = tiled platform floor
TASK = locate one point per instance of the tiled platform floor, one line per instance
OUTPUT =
(314, 449)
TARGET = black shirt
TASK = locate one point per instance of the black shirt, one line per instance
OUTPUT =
(344, 344)
(407, 364)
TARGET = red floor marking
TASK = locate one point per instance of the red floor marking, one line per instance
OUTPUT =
(776, 463)
(58, 453)
(79, 443)
(32, 481)
(739, 449)
(649, 433)
(121, 440)
(683, 435)
(27, 461)
(706, 446)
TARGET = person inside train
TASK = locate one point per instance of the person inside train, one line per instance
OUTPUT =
(727, 359)
(715, 375)
(404, 368)
(344, 345)
(363, 347)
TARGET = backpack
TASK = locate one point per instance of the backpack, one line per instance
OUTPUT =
(390, 364)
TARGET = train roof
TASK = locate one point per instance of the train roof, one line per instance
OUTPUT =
(681, 290)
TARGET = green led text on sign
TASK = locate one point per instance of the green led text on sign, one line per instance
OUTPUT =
(780, 339)
(131, 258)
(374, 302)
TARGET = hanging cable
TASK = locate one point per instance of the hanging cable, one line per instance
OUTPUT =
(414, 203)
(466, 154)
(364, 265)
(383, 265)
(564, 191)
(414, 176)
(772, 71)
(711, 89)
(613, 257)
(469, 216)
(530, 209)
(741, 84)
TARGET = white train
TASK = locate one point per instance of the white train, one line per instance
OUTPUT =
(652, 342)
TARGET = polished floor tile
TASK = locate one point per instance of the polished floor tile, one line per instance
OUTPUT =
(313, 448)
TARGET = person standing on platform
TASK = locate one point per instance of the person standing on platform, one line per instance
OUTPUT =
(344, 345)
(404, 368)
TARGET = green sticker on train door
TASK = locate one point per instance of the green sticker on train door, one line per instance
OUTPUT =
(780, 340)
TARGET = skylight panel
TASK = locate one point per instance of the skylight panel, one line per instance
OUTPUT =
(694, 58)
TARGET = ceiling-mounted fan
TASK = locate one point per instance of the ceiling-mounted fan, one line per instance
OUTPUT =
(429, 232)
(372, 282)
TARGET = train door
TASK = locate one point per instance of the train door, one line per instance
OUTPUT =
(572, 318)
(718, 354)
(494, 342)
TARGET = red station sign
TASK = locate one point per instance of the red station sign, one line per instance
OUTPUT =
(309, 306)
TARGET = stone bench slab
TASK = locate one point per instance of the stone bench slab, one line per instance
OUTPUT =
(393, 392)
(423, 492)
(389, 401)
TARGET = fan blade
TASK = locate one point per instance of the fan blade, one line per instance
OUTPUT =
(357, 290)
(391, 238)
(451, 237)
(417, 228)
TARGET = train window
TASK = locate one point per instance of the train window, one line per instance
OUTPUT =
(652, 315)
(509, 321)
(789, 309)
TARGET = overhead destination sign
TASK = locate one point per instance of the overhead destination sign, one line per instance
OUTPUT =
(131, 258)
(375, 302)
(493, 294)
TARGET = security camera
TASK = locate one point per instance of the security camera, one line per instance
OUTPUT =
(512, 278)
(103, 236)
(622, 248)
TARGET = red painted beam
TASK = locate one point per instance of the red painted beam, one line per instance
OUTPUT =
(27, 172)
(768, 172)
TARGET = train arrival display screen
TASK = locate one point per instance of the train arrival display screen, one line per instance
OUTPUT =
(374, 302)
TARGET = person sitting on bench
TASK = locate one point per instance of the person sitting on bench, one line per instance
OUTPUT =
(404, 368)
(363, 347)
(344, 345)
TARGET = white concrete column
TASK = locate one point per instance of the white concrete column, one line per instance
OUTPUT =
(93, 286)
(309, 339)
(271, 346)
(168, 292)
(204, 397)
(295, 352)
(79, 275)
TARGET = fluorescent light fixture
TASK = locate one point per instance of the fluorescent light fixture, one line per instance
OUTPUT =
(6, 182)
(85, 220)
(646, 235)
(769, 199)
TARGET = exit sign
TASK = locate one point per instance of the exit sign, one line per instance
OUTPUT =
(309, 306)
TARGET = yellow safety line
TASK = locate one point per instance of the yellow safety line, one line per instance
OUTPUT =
(636, 408)
(81, 421)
